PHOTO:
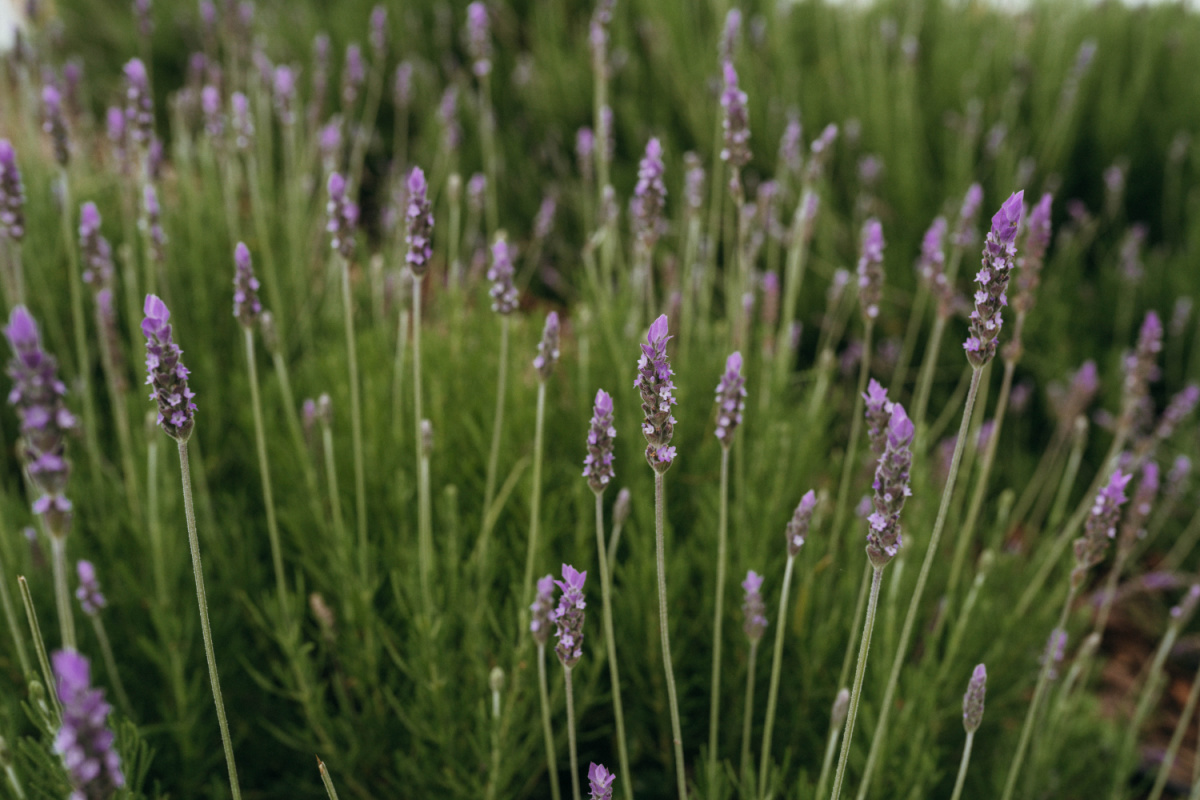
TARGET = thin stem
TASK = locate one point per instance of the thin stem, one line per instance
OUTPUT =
(776, 665)
(915, 318)
(661, 557)
(748, 717)
(360, 480)
(110, 665)
(610, 641)
(928, 365)
(335, 501)
(39, 646)
(962, 767)
(856, 689)
(914, 603)
(10, 615)
(425, 530)
(835, 732)
(328, 781)
(793, 279)
(1014, 769)
(156, 538)
(535, 503)
(264, 472)
(571, 733)
(205, 627)
(62, 593)
(120, 415)
(293, 422)
(547, 729)
(423, 507)
(83, 362)
(851, 455)
(489, 492)
(714, 712)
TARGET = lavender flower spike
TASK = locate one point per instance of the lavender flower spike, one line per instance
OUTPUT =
(503, 293)
(38, 395)
(891, 490)
(91, 600)
(342, 215)
(999, 252)
(54, 123)
(797, 527)
(420, 224)
(1101, 525)
(870, 269)
(246, 306)
(84, 741)
(598, 464)
(878, 410)
(600, 782)
(139, 105)
(98, 269)
(547, 349)
(649, 196)
(973, 699)
(735, 122)
(1141, 367)
(1037, 239)
(964, 230)
(12, 195)
(542, 608)
(167, 376)
(731, 394)
(754, 617)
(479, 43)
(657, 390)
(568, 616)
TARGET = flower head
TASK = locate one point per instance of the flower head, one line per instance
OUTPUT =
(891, 489)
(797, 527)
(600, 782)
(649, 196)
(598, 463)
(735, 120)
(503, 292)
(1033, 254)
(353, 76)
(378, 32)
(999, 252)
(342, 216)
(402, 84)
(98, 269)
(1180, 407)
(246, 306)
(83, 740)
(139, 104)
(547, 349)
(479, 42)
(540, 611)
(731, 394)
(283, 94)
(150, 221)
(91, 600)
(964, 230)
(166, 374)
(240, 121)
(12, 195)
(54, 123)
(973, 699)
(657, 391)
(878, 410)
(568, 616)
(419, 217)
(1141, 367)
(754, 616)
(1100, 527)
(870, 269)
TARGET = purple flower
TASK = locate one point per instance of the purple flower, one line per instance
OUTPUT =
(600, 782)
(973, 699)
(97, 253)
(1141, 366)
(246, 306)
(693, 185)
(240, 121)
(83, 740)
(568, 616)
(605, 133)
(790, 145)
(145, 22)
(547, 349)
(150, 221)
(585, 151)
(1037, 239)
(999, 252)
(649, 196)
(542, 608)
(797, 527)
(478, 36)
(54, 124)
(353, 76)
(114, 126)
(1101, 525)
(729, 35)
(754, 616)
(543, 223)
(598, 463)
(735, 121)
(419, 217)
(139, 104)
(402, 85)
(964, 229)
(448, 116)
(657, 390)
(820, 152)
(1056, 650)
(12, 195)
(166, 374)
(503, 293)
(91, 600)
(870, 269)
(342, 216)
(1180, 407)
(891, 490)
(1178, 476)
(878, 410)
(731, 394)
(38, 396)
(214, 121)
(378, 32)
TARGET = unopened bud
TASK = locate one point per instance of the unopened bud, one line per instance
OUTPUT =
(841, 705)
(973, 699)
(621, 507)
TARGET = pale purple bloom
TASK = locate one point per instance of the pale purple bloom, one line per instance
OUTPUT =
(754, 611)
(246, 306)
(878, 410)
(1180, 407)
(790, 145)
(54, 123)
(605, 133)
(378, 32)
(1130, 256)
(97, 253)
(341, 215)
(1037, 239)
(543, 223)
(735, 121)
(283, 95)
(622, 507)
(479, 41)
(402, 86)
(973, 699)
(91, 599)
(657, 390)
(151, 222)
(1180, 315)
(600, 782)
(585, 150)
(870, 269)
(139, 104)
(114, 126)
(820, 152)
(83, 739)
(729, 35)
(547, 349)
(354, 74)
(503, 292)
(999, 252)
(476, 192)
(693, 184)
(12, 194)
(1100, 527)
(166, 374)
(798, 525)
(145, 22)
(1056, 650)
(568, 616)
(448, 116)
(731, 399)
(240, 122)
(891, 490)
(649, 196)
(964, 229)
(931, 266)
(320, 79)
(329, 142)
(770, 288)
(598, 463)
(1178, 476)
(1141, 366)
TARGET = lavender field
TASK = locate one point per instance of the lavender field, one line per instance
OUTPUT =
(629, 399)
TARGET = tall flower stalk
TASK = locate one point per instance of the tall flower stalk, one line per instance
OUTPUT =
(539, 628)
(657, 390)
(167, 377)
(544, 363)
(504, 302)
(972, 718)
(568, 620)
(731, 393)
(598, 469)
(419, 237)
(754, 624)
(999, 253)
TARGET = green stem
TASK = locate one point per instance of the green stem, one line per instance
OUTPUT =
(10, 615)
(360, 480)
(489, 492)
(835, 732)
(62, 593)
(425, 530)
(264, 472)
(155, 524)
(571, 733)
(851, 456)
(928, 365)
(962, 767)
(39, 647)
(274, 290)
(860, 606)
(776, 664)
(714, 712)
(856, 689)
(748, 718)
(661, 558)
(914, 603)
(610, 641)
(110, 665)
(328, 781)
(205, 627)
(535, 503)
(82, 360)
(547, 729)
(797, 257)
(915, 318)
(335, 501)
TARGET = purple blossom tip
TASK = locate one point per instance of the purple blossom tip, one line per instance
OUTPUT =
(83, 740)
(547, 349)
(600, 781)
(22, 331)
(91, 600)
(1006, 221)
(973, 699)
(797, 527)
(731, 394)
(568, 616)
(167, 375)
(754, 617)
(658, 330)
(598, 463)
(604, 404)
